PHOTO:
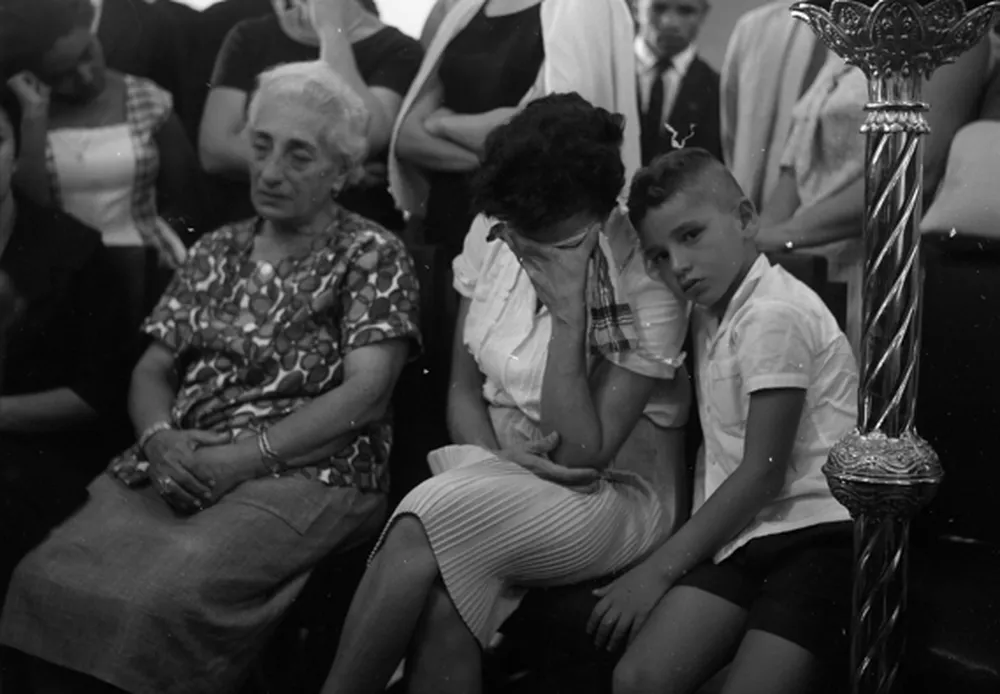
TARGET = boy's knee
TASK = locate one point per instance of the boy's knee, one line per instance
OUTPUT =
(633, 676)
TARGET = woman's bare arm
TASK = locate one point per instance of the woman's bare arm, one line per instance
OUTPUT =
(382, 104)
(153, 388)
(593, 414)
(468, 131)
(468, 418)
(51, 410)
(315, 431)
(421, 148)
(222, 147)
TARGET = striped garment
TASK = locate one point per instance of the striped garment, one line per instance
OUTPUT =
(497, 530)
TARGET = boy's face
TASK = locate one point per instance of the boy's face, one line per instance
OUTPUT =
(698, 248)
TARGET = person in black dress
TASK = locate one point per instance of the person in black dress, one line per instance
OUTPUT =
(380, 61)
(488, 66)
(62, 367)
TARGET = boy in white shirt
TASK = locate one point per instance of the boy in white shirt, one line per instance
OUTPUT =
(763, 567)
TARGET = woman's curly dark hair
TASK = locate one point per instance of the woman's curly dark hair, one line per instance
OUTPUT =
(558, 158)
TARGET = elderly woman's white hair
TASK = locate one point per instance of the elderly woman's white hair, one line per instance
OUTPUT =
(317, 87)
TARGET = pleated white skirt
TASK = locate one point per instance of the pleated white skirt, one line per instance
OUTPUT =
(496, 530)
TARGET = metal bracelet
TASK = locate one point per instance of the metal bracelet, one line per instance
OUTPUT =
(272, 461)
(151, 431)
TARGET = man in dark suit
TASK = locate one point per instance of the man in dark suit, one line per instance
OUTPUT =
(678, 91)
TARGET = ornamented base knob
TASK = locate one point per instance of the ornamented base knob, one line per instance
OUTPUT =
(877, 475)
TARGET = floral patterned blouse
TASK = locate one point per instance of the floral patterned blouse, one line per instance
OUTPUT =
(257, 341)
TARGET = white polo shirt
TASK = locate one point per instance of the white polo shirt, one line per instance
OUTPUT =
(776, 333)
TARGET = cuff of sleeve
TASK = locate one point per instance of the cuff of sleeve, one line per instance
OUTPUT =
(464, 280)
(645, 366)
(773, 381)
(400, 329)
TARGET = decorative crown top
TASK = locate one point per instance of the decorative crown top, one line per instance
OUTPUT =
(898, 36)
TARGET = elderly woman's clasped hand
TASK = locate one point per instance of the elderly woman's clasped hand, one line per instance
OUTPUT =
(558, 271)
(172, 456)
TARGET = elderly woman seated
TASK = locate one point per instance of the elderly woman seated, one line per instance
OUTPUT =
(261, 413)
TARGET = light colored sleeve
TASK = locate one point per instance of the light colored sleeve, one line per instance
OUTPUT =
(467, 266)
(729, 88)
(589, 49)
(661, 320)
(661, 317)
(773, 346)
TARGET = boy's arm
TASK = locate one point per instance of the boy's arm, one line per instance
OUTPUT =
(775, 362)
(772, 425)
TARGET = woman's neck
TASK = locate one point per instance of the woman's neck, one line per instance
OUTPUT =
(8, 213)
(294, 229)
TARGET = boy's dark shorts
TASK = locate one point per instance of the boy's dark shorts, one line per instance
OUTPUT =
(795, 585)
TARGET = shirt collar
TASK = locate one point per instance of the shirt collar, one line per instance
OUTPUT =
(742, 294)
(747, 286)
(646, 61)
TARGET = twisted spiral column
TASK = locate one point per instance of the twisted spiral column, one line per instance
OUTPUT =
(883, 472)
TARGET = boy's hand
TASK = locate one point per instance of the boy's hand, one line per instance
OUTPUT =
(625, 605)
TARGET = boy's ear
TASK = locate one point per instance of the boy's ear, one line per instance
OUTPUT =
(748, 219)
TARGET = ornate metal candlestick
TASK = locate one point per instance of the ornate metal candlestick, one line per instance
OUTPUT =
(883, 472)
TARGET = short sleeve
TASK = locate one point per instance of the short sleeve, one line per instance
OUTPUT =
(661, 317)
(389, 59)
(380, 296)
(773, 347)
(467, 266)
(171, 322)
(234, 63)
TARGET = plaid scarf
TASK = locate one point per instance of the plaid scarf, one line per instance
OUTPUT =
(612, 324)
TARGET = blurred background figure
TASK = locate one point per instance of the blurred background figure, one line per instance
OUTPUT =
(678, 90)
(378, 61)
(29, 28)
(106, 148)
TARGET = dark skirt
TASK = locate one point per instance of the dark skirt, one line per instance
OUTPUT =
(154, 603)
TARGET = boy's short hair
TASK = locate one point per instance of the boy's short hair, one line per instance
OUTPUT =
(672, 173)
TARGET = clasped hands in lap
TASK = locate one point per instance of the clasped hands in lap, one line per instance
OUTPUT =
(191, 469)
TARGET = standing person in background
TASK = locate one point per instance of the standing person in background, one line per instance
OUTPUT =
(106, 148)
(489, 58)
(143, 38)
(29, 28)
(21, 47)
(761, 82)
(678, 91)
(817, 205)
(378, 61)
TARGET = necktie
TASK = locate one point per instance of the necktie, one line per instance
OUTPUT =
(653, 116)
